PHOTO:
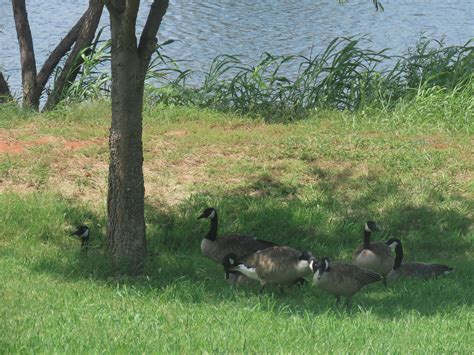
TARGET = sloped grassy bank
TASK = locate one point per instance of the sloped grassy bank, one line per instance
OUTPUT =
(310, 184)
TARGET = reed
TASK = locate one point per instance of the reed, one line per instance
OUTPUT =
(345, 76)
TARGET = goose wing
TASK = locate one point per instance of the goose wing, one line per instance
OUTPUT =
(381, 249)
(239, 245)
(354, 272)
(424, 270)
(270, 257)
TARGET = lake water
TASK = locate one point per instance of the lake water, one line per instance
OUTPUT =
(205, 29)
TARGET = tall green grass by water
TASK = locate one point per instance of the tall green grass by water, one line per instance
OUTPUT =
(347, 75)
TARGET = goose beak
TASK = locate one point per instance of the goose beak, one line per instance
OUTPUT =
(201, 216)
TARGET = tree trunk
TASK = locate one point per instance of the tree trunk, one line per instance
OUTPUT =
(5, 95)
(31, 91)
(126, 240)
(125, 203)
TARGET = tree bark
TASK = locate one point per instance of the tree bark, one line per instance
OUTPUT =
(126, 239)
(88, 26)
(27, 56)
(5, 95)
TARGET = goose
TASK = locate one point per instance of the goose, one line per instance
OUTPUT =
(413, 269)
(341, 279)
(375, 256)
(216, 248)
(274, 265)
(82, 232)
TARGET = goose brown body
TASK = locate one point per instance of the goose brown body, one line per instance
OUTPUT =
(413, 269)
(237, 244)
(375, 256)
(342, 279)
(378, 258)
(215, 248)
(421, 270)
(278, 264)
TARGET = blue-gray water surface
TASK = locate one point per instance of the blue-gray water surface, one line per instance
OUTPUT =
(205, 29)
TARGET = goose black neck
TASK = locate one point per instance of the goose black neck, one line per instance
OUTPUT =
(212, 234)
(366, 239)
(398, 256)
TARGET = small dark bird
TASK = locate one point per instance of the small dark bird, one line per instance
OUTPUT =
(413, 269)
(82, 233)
(341, 279)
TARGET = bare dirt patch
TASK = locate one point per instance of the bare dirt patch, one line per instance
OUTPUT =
(177, 133)
(11, 147)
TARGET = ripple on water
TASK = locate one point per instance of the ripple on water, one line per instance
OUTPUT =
(205, 29)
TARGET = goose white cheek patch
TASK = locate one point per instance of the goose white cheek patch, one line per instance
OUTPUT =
(212, 215)
(250, 272)
(367, 229)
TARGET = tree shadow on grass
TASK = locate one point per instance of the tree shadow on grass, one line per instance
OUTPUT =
(330, 225)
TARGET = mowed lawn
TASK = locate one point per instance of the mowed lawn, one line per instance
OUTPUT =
(310, 184)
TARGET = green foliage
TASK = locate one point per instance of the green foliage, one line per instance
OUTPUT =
(345, 76)
(93, 80)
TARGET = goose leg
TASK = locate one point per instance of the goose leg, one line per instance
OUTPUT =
(384, 281)
(300, 282)
(349, 303)
(338, 299)
(84, 245)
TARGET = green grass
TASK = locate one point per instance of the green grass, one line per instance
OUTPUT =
(310, 184)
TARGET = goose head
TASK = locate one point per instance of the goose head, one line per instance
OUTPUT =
(306, 255)
(320, 269)
(396, 244)
(82, 231)
(208, 213)
(230, 261)
(371, 226)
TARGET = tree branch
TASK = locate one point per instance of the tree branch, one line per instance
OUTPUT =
(116, 7)
(148, 39)
(60, 51)
(88, 26)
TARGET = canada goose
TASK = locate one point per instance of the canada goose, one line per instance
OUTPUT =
(217, 248)
(82, 233)
(279, 264)
(373, 256)
(412, 269)
(341, 279)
